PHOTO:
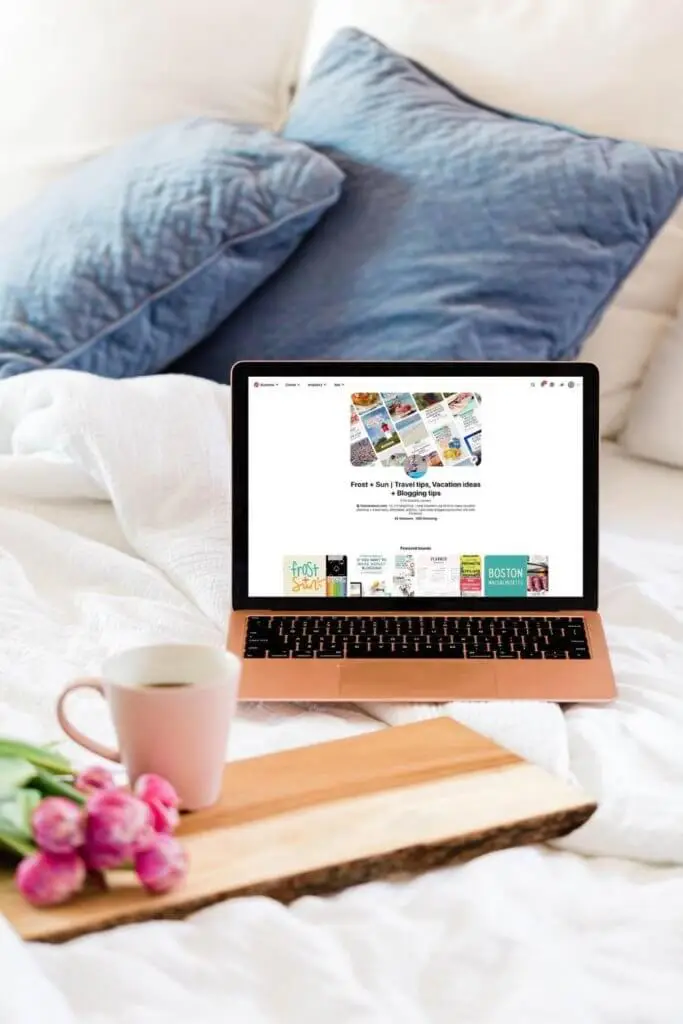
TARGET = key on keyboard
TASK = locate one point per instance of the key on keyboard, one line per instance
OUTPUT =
(416, 636)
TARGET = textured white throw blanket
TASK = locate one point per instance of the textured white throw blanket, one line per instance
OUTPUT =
(114, 530)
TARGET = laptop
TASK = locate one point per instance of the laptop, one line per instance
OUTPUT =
(416, 531)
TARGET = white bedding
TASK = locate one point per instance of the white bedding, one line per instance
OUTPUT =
(114, 530)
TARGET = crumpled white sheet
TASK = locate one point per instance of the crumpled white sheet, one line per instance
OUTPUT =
(114, 530)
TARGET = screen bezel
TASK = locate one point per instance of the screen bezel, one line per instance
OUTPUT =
(239, 379)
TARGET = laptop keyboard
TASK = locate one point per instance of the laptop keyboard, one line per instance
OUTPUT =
(415, 636)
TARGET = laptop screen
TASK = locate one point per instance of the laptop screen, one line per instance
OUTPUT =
(406, 487)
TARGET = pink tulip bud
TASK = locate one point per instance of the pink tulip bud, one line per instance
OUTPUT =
(118, 826)
(104, 858)
(163, 866)
(94, 777)
(153, 788)
(58, 825)
(45, 879)
(164, 819)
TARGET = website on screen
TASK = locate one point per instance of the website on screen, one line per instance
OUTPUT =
(397, 487)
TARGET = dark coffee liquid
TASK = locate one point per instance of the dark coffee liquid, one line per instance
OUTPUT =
(163, 686)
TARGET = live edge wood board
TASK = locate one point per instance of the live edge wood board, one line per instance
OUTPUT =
(320, 818)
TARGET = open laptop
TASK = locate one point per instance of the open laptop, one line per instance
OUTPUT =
(416, 531)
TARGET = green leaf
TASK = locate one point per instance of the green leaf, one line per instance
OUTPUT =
(41, 757)
(10, 812)
(13, 841)
(14, 773)
(50, 785)
(18, 809)
(26, 801)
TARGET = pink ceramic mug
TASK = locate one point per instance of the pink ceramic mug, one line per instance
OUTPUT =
(172, 705)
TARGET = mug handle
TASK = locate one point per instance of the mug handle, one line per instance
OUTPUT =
(75, 734)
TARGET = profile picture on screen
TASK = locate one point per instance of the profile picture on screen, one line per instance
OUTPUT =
(415, 466)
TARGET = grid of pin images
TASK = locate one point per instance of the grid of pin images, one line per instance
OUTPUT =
(400, 428)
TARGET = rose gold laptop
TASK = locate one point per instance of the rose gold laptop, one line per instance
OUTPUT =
(416, 532)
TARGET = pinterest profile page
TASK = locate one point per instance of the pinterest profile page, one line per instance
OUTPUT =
(402, 487)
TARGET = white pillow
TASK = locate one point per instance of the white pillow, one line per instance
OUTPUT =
(79, 76)
(655, 426)
(611, 67)
(639, 317)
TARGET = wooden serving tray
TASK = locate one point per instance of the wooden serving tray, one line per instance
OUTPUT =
(320, 818)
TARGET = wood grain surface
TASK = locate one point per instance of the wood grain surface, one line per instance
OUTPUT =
(317, 819)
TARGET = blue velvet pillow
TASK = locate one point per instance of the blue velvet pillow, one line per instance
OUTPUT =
(133, 258)
(462, 232)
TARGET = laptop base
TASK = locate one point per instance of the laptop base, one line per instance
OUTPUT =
(426, 680)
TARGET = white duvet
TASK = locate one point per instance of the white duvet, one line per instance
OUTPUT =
(114, 530)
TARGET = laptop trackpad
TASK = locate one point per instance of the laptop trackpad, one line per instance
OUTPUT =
(418, 680)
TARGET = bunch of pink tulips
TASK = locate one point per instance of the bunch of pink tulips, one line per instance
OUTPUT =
(113, 828)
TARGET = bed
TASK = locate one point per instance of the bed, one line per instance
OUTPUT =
(114, 530)
(94, 554)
